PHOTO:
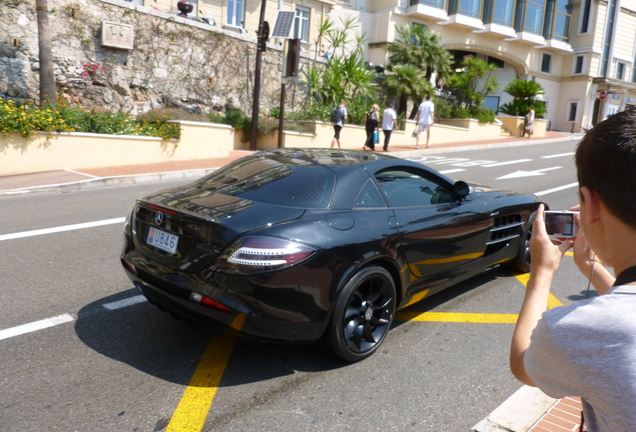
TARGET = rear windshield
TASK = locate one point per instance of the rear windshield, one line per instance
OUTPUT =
(267, 180)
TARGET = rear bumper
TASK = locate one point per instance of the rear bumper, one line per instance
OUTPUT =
(264, 310)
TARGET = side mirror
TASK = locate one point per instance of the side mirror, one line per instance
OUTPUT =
(461, 188)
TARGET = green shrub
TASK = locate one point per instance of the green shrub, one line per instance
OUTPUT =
(26, 119)
(216, 117)
(172, 114)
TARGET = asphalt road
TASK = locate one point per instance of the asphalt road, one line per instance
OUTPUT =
(81, 351)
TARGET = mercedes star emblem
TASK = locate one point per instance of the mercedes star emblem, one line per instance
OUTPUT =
(159, 218)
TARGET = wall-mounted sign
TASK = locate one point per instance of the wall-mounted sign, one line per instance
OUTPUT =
(116, 35)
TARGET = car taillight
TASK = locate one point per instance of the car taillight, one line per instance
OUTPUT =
(251, 255)
(208, 302)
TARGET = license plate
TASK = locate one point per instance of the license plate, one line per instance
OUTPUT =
(163, 240)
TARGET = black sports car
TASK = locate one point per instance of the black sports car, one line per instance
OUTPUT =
(298, 245)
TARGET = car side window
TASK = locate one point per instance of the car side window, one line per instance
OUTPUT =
(403, 188)
(369, 197)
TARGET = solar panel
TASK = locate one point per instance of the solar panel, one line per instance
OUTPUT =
(284, 24)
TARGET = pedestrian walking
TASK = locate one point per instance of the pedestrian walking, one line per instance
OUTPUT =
(338, 117)
(389, 120)
(529, 126)
(425, 119)
(371, 122)
(587, 349)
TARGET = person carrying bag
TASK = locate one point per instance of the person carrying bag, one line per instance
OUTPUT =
(371, 125)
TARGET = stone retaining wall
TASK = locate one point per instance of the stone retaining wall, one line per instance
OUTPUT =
(174, 62)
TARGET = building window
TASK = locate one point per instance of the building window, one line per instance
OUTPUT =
(585, 13)
(439, 4)
(572, 111)
(301, 25)
(534, 14)
(546, 61)
(561, 25)
(492, 102)
(607, 42)
(504, 12)
(579, 62)
(471, 8)
(235, 11)
(620, 70)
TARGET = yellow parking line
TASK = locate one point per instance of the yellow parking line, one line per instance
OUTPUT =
(457, 317)
(197, 398)
(552, 300)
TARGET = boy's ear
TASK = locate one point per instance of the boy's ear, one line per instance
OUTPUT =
(592, 203)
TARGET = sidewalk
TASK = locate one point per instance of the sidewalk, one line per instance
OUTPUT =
(528, 410)
(131, 174)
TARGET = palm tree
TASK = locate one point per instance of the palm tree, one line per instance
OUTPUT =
(525, 94)
(48, 91)
(419, 46)
(464, 85)
(407, 83)
(346, 77)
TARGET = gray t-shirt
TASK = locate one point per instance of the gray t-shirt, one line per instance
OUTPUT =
(344, 112)
(588, 349)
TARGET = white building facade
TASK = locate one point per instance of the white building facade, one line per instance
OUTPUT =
(582, 52)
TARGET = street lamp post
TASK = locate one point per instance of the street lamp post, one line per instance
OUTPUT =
(263, 34)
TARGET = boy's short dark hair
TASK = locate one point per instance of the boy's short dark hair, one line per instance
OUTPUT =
(606, 162)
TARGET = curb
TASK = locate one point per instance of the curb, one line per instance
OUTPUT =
(518, 413)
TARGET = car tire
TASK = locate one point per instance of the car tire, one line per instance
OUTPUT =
(521, 263)
(362, 314)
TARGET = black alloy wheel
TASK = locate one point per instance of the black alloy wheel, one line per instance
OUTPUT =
(362, 314)
(521, 263)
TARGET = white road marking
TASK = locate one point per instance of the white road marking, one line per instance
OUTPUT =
(61, 319)
(125, 302)
(557, 155)
(452, 171)
(61, 229)
(556, 189)
(496, 164)
(34, 326)
(519, 174)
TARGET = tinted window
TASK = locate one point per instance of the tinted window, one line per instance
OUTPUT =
(301, 185)
(369, 197)
(406, 189)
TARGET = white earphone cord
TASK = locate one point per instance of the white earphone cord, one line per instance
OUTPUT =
(587, 293)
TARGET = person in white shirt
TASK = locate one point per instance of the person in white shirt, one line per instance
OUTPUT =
(587, 349)
(425, 119)
(529, 127)
(389, 120)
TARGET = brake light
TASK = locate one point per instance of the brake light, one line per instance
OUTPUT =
(252, 255)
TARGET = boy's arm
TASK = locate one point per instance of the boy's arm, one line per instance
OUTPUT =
(545, 261)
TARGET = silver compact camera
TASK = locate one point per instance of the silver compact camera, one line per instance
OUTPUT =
(561, 224)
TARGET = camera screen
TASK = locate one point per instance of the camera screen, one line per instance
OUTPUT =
(560, 224)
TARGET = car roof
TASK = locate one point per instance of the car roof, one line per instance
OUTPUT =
(321, 156)
(352, 168)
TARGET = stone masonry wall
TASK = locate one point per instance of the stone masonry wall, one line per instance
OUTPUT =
(175, 62)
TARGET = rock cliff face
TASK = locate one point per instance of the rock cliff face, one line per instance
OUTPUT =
(174, 62)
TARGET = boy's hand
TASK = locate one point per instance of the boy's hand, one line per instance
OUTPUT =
(545, 254)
